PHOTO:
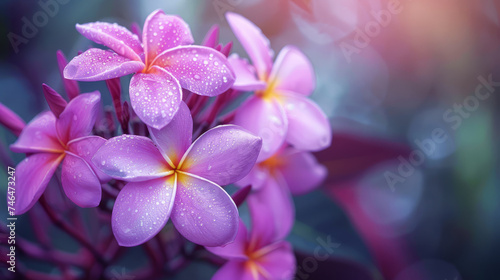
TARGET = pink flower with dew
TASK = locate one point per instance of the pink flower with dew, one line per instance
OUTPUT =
(63, 136)
(164, 63)
(257, 255)
(171, 178)
(274, 181)
(279, 110)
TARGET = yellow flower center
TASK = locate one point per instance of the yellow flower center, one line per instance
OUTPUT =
(269, 92)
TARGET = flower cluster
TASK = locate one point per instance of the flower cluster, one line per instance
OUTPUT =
(183, 140)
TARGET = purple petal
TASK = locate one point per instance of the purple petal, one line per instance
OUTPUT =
(34, 173)
(280, 262)
(136, 29)
(131, 158)
(79, 182)
(254, 42)
(246, 78)
(54, 99)
(39, 135)
(257, 177)
(79, 117)
(201, 70)
(203, 212)
(141, 210)
(212, 37)
(162, 32)
(301, 171)
(308, 126)
(115, 89)
(235, 249)
(175, 138)
(293, 72)
(113, 36)
(86, 147)
(266, 119)
(272, 212)
(97, 65)
(223, 155)
(70, 86)
(234, 270)
(227, 49)
(11, 120)
(155, 97)
(241, 195)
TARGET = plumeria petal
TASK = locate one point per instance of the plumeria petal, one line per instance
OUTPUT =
(162, 32)
(155, 97)
(203, 212)
(11, 120)
(71, 87)
(308, 126)
(79, 181)
(118, 158)
(35, 171)
(97, 65)
(78, 119)
(175, 138)
(254, 42)
(136, 29)
(302, 172)
(266, 119)
(246, 78)
(113, 36)
(234, 269)
(212, 37)
(236, 249)
(54, 99)
(227, 49)
(223, 155)
(272, 212)
(292, 71)
(39, 135)
(241, 195)
(142, 209)
(199, 69)
(86, 147)
(280, 262)
(257, 177)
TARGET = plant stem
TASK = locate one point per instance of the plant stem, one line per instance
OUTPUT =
(59, 222)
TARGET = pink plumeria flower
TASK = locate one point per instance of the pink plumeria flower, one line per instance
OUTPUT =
(274, 181)
(51, 140)
(259, 255)
(164, 63)
(279, 110)
(170, 177)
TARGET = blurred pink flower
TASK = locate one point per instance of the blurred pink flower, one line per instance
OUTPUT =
(257, 255)
(170, 177)
(49, 140)
(164, 63)
(279, 109)
(274, 180)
